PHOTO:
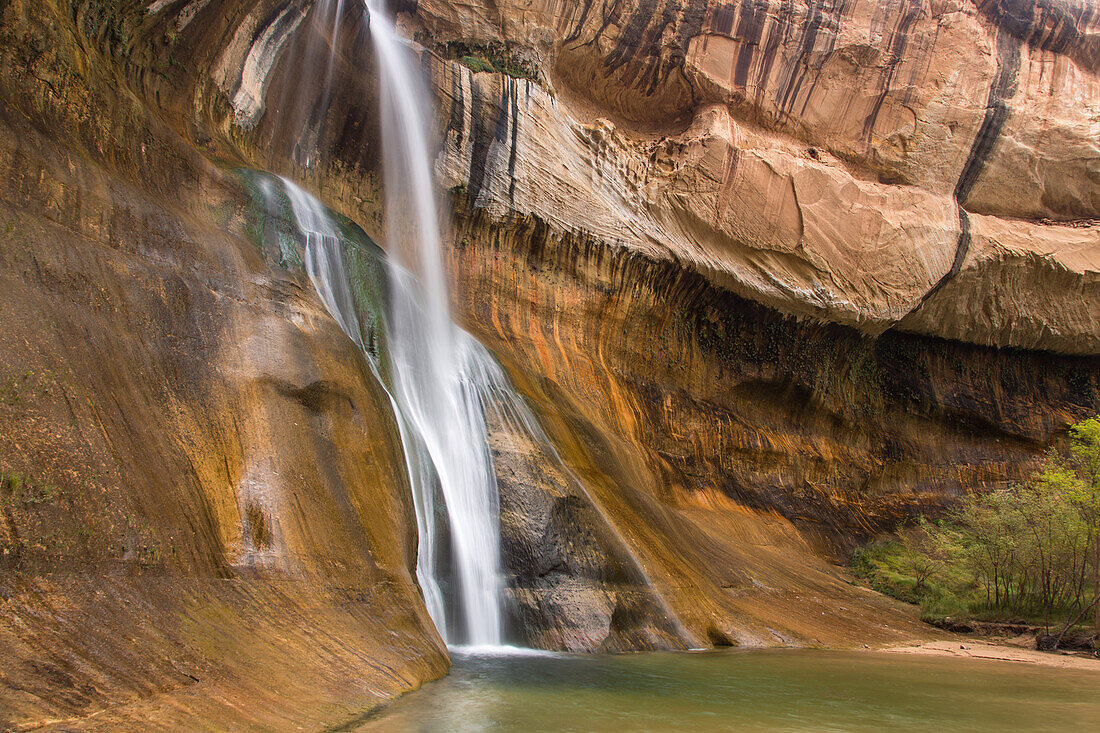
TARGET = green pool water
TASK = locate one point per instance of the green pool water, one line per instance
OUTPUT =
(767, 690)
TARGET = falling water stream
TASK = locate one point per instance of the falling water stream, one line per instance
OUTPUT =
(437, 398)
(483, 396)
(441, 411)
(440, 380)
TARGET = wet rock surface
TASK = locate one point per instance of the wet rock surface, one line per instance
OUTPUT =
(201, 518)
(573, 583)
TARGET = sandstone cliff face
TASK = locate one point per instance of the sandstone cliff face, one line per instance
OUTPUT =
(773, 276)
(200, 512)
(732, 446)
(823, 158)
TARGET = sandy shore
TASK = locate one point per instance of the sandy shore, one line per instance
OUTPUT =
(962, 647)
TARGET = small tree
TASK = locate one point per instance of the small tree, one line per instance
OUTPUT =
(1035, 546)
(1085, 496)
(921, 556)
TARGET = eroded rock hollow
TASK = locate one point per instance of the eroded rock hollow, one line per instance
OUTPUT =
(770, 276)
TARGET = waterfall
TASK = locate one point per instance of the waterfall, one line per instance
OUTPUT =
(326, 265)
(435, 396)
(445, 388)
(484, 397)
(432, 370)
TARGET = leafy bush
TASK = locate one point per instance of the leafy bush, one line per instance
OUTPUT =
(1029, 551)
(492, 56)
(911, 569)
(477, 64)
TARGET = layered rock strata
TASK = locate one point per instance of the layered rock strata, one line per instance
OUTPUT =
(844, 161)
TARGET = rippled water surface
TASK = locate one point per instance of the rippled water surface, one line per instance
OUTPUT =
(780, 690)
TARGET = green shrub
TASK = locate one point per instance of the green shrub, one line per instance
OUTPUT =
(477, 64)
(1029, 551)
(492, 57)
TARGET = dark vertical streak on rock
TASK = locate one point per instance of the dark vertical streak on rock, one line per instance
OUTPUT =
(692, 19)
(657, 66)
(501, 129)
(578, 28)
(456, 122)
(750, 29)
(481, 139)
(515, 142)
(275, 15)
(1066, 27)
(899, 39)
(805, 44)
(996, 112)
(962, 248)
(643, 42)
(722, 21)
(824, 20)
(612, 16)
(631, 42)
(777, 37)
(832, 29)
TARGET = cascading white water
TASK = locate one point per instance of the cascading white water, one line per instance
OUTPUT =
(438, 405)
(327, 268)
(464, 473)
(485, 394)
(324, 259)
(434, 394)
